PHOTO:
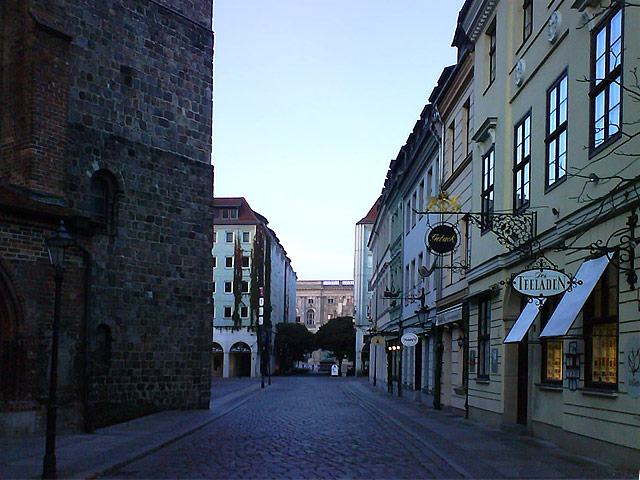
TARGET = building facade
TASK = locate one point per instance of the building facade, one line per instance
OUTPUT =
(99, 130)
(538, 172)
(362, 270)
(318, 301)
(254, 289)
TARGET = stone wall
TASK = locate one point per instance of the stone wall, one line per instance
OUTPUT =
(123, 86)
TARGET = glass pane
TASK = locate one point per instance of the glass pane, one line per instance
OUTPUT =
(614, 121)
(551, 168)
(614, 93)
(600, 68)
(600, 105)
(600, 42)
(615, 56)
(563, 89)
(562, 154)
(563, 111)
(615, 33)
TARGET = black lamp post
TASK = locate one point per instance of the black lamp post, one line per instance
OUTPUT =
(56, 244)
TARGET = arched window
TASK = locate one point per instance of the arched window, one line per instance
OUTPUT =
(310, 317)
(103, 200)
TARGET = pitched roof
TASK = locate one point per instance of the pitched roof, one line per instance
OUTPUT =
(373, 213)
(246, 216)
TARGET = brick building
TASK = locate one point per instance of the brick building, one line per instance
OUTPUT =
(105, 123)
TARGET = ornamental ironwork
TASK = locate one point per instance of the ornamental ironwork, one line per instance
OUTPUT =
(621, 244)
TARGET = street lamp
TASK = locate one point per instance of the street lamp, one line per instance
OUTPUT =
(56, 244)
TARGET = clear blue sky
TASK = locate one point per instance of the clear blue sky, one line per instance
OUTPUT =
(312, 100)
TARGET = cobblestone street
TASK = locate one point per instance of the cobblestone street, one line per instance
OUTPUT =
(322, 427)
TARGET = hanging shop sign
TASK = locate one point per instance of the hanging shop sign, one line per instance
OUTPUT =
(541, 282)
(409, 339)
(377, 340)
(443, 238)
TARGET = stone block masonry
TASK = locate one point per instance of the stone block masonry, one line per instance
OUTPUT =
(122, 87)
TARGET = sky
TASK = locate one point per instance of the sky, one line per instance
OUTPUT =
(312, 100)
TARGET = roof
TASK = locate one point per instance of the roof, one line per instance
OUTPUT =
(373, 213)
(246, 216)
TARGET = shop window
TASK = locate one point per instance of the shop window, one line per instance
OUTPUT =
(552, 348)
(600, 328)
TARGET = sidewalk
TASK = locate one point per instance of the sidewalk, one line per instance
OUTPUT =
(88, 455)
(477, 450)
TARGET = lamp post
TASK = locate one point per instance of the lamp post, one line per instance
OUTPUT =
(56, 244)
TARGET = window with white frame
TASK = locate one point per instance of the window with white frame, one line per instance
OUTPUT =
(487, 193)
(522, 163)
(556, 141)
(229, 237)
(606, 79)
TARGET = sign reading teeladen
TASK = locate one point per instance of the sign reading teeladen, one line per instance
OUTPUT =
(541, 282)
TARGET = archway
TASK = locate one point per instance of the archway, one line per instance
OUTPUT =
(240, 360)
(217, 360)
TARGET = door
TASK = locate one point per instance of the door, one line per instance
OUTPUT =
(523, 381)
(417, 382)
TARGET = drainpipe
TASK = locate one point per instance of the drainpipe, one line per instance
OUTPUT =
(85, 388)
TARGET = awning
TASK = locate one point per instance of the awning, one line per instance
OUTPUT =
(524, 321)
(450, 315)
(573, 300)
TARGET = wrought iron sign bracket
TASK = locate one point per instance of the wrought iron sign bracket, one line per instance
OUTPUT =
(515, 231)
(622, 243)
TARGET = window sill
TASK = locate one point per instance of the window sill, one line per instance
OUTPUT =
(593, 151)
(599, 393)
(555, 184)
(549, 387)
(483, 381)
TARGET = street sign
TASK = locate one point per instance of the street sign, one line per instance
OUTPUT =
(377, 340)
(409, 339)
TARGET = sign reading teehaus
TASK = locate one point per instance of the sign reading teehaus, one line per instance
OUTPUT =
(541, 282)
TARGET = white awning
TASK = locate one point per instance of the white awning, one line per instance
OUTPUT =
(450, 315)
(524, 321)
(573, 300)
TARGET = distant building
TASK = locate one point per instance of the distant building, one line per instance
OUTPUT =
(318, 301)
(253, 279)
(363, 270)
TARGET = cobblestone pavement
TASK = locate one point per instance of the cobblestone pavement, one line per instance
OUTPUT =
(323, 427)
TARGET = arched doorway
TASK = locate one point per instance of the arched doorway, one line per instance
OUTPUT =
(240, 360)
(10, 351)
(217, 360)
